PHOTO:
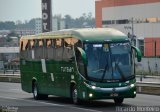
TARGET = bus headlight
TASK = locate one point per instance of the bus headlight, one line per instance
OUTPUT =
(93, 87)
(132, 85)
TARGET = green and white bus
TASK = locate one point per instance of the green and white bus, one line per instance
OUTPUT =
(81, 64)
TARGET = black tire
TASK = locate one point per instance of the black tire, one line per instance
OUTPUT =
(36, 95)
(74, 95)
(118, 101)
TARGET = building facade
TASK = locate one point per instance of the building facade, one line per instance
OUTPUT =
(22, 32)
(38, 26)
(57, 24)
(140, 19)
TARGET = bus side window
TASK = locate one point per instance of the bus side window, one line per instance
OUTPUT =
(50, 48)
(32, 43)
(22, 51)
(59, 50)
(58, 43)
(36, 45)
(25, 49)
(28, 49)
(45, 54)
(48, 43)
(68, 53)
(39, 49)
(78, 44)
(32, 48)
(54, 48)
(21, 45)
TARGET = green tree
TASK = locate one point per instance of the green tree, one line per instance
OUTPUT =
(86, 20)
(8, 25)
(69, 21)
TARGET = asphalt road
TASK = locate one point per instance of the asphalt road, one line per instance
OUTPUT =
(14, 99)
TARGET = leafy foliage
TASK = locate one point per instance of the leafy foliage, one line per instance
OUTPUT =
(81, 22)
(8, 25)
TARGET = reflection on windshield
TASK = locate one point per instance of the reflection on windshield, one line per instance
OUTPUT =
(121, 60)
(98, 61)
(108, 62)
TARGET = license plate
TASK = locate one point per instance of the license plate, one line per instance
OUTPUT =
(114, 94)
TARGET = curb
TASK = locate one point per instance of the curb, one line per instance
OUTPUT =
(148, 88)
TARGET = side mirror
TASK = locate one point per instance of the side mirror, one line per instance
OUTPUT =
(138, 53)
(83, 55)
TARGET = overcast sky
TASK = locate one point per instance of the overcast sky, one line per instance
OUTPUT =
(13, 10)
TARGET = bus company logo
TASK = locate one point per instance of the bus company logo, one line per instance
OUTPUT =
(67, 69)
(114, 89)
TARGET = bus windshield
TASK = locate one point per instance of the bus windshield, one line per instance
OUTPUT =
(109, 62)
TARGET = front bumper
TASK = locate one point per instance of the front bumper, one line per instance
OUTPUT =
(110, 93)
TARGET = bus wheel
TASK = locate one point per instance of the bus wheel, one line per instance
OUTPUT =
(36, 95)
(118, 101)
(74, 95)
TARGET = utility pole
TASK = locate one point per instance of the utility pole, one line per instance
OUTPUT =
(133, 36)
(155, 48)
(155, 51)
(132, 26)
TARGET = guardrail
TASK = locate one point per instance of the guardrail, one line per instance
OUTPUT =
(10, 78)
(148, 88)
(6, 71)
(142, 87)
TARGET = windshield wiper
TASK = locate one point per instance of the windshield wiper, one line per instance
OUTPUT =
(105, 69)
(120, 71)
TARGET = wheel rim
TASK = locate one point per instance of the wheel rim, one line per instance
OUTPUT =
(35, 91)
(74, 95)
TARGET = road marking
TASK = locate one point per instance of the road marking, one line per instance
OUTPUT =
(51, 104)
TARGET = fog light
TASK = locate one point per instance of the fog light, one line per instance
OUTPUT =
(90, 95)
(134, 92)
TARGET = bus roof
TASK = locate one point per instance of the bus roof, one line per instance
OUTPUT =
(85, 34)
